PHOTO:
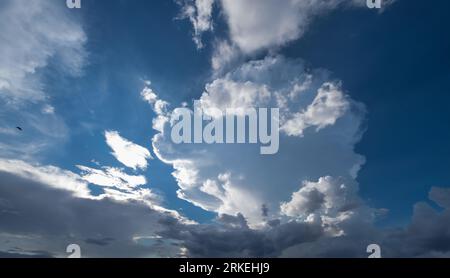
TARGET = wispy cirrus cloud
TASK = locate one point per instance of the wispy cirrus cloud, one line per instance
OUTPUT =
(33, 33)
(199, 13)
(111, 177)
(35, 36)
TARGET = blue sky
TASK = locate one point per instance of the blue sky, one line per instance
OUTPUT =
(357, 165)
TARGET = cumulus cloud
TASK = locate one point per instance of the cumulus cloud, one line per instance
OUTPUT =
(331, 201)
(261, 24)
(426, 236)
(256, 25)
(231, 237)
(224, 55)
(328, 106)
(127, 152)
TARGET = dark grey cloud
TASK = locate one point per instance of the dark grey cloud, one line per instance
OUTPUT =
(34, 216)
(39, 221)
(264, 210)
(315, 200)
(237, 221)
(223, 240)
(100, 242)
(12, 254)
(428, 235)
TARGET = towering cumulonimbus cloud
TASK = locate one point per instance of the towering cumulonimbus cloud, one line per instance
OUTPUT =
(320, 126)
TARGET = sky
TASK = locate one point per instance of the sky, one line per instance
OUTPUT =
(88, 98)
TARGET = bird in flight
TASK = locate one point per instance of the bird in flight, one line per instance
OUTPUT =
(19, 128)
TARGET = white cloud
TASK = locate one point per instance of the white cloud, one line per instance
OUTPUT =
(329, 200)
(328, 106)
(127, 152)
(159, 106)
(48, 109)
(261, 24)
(119, 186)
(256, 24)
(224, 54)
(111, 177)
(226, 93)
(50, 175)
(199, 12)
(116, 184)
